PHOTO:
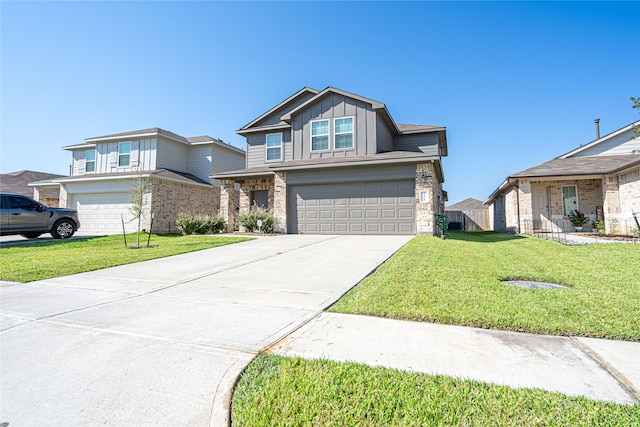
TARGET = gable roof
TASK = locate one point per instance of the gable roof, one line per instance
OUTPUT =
(575, 166)
(600, 140)
(469, 204)
(278, 106)
(18, 182)
(375, 104)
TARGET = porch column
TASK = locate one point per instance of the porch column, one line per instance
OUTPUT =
(280, 202)
(611, 203)
(228, 202)
(63, 197)
(425, 199)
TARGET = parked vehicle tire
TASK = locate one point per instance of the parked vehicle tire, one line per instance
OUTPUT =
(63, 229)
(31, 235)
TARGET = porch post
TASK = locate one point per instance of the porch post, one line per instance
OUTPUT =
(280, 202)
(228, 202)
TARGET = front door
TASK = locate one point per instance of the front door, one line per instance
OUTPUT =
(540, 207)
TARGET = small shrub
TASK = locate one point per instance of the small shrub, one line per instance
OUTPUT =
(598, 226)
(249, 220)
(200, 223)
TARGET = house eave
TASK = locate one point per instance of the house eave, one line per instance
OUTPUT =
(282, 126)
(74, 179)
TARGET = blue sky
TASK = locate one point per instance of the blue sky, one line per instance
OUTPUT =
(515, 83)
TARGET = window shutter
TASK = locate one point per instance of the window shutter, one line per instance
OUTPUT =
(113, 154)
(135, 153)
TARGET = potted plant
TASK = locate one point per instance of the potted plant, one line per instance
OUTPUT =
(578, 219)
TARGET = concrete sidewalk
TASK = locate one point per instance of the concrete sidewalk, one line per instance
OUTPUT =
(596, 368)
(162, 342)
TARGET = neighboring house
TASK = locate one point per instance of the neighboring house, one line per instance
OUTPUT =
(600, 179)
(334, 162)
(469, 215)
(104, 169)
(18, 183)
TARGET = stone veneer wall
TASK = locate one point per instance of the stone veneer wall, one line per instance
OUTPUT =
(622, 197)
(249, 185)
(426, 209)
(228, 202)
(169, 198)
(280, 202)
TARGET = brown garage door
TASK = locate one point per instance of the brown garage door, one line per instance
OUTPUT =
(353, 208)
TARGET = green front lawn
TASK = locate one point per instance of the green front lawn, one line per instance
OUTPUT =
(457, 281)
(54, 258)
(279, 391)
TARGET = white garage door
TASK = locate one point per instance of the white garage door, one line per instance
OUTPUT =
(353, 208)
(103, 213)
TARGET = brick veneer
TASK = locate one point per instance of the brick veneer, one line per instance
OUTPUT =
(169, 198)
(249, 185)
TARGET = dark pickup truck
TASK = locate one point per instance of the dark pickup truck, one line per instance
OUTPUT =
(22, 215)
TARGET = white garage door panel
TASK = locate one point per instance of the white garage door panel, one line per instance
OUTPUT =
(104, 212)
(353, 208)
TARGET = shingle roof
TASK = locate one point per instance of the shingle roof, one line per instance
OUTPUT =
(417, 128)
(17, 182)
(593, 165)
(187, 178)
(155, 131)
(467, 205)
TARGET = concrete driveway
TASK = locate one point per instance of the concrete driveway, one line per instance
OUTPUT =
(162, 342)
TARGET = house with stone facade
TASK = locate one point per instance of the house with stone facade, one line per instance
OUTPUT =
(104, 169)
(335, 162)
(601, 179)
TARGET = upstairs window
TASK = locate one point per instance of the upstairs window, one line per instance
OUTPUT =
(569, 199)
(320, 135)
(90, 161)
(343, 133)
(274, 146)
(124, 151)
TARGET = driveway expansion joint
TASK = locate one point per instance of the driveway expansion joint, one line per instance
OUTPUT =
(624, 382)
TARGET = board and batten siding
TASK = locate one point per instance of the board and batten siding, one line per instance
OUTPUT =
(619, 144)
(142, 156)
(274, 117)
(425, 143)
(329, 107)
(256, 146)
(172, 155)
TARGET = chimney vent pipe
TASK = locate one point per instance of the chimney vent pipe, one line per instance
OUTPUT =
(597, 122)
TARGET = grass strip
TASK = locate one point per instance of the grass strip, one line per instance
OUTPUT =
(279, 391)
(458, 281)
(53, 258)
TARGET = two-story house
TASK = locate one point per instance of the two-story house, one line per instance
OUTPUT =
(601, 179)
(334, 162)
(104, 169)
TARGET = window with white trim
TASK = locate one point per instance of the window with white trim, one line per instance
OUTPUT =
(569, 199)
(90, 161)
(274, 147)
(124, 151)
(343, 133)
(319, 135)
